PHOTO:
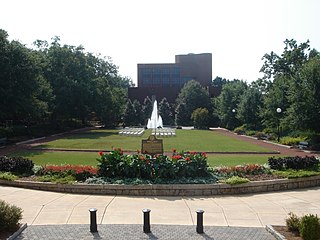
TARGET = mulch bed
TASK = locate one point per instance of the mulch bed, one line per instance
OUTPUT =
(284, 231)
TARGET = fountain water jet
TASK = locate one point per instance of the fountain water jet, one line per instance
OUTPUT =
(156, 120)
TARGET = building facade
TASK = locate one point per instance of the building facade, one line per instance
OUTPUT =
(166, 80)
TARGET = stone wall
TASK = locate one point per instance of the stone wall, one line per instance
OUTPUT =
(171, 189)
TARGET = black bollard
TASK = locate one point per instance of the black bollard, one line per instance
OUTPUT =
(146, 220)
(93, 220)
(199, 221)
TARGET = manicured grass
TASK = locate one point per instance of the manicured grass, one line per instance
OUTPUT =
(89, 158)
(187, 140)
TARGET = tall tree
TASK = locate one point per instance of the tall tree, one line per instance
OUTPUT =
(138, 113)
(228, 101)
(200, 118)
(193, 95)
(147, 109)
(22, 86)
(249, 106)
(165, 112)
(304, 97)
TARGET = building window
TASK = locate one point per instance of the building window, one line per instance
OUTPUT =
(165, 80)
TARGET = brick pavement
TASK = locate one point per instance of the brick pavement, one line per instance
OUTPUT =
(133, 232)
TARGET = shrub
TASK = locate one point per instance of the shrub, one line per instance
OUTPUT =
(291, 141)
(236, 180)
(308, 162)
(251, 133)
(241, 170)
(260, 135)
(293, 222)
(240, 130)
(10, 216)
(184, 164)
(7, 176)
(310, 227)
(18, 165)
(80, 173)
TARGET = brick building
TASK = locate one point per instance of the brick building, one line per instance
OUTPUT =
(166, 80)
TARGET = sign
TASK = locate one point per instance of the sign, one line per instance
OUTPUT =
(152, 145)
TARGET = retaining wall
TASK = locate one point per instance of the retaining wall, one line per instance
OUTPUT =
(170, 189)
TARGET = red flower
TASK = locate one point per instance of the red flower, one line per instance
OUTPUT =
(204, 154)
(187, 159)
(148, 161)
(100, 153)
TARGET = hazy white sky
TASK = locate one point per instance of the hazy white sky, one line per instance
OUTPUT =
(237, 32)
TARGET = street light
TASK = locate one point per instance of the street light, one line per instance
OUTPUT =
(279, 111)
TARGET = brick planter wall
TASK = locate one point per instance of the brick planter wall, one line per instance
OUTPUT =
(170, 189)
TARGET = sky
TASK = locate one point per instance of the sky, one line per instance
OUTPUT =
(237, 32)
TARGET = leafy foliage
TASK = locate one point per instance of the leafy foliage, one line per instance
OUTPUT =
(240, 170)
(236, 180)
(81, 173)
(7, 176)
(193, 96)
(185, 164)
(283, 163)
(310, 227)
(18, 165)
(200, 118)
(10, 216)
(293, 222)
(165, 112)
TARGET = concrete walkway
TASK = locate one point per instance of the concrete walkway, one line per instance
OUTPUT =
(254, 210)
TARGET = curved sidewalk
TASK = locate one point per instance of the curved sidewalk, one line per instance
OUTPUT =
(251, 210)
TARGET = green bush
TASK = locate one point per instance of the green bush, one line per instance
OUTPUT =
(293, 222)
(310, 227)
(7, 176)
(236, 180)
(292, 141)
(289, 173)
(185, 164)
(10, 216)
(240, 130)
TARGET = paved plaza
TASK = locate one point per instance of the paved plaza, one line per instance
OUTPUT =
(223, 213)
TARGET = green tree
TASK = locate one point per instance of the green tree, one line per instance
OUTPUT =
(249, 106)
(138, 113)
(227, 103)
(304, 97)
(24, 91)
(281, 71)
(193, 95)
(166, 112)
(182, 116)
(147, 109)
(200, 118)
(129, 114)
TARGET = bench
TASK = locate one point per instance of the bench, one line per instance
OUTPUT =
(303, 145)
(3, 142)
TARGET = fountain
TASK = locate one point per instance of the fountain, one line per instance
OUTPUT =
(156, 120)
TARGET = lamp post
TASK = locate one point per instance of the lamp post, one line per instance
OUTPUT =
(279, 111)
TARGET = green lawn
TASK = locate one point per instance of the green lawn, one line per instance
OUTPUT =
(188, 140)
(89, 158)
(235, 159)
